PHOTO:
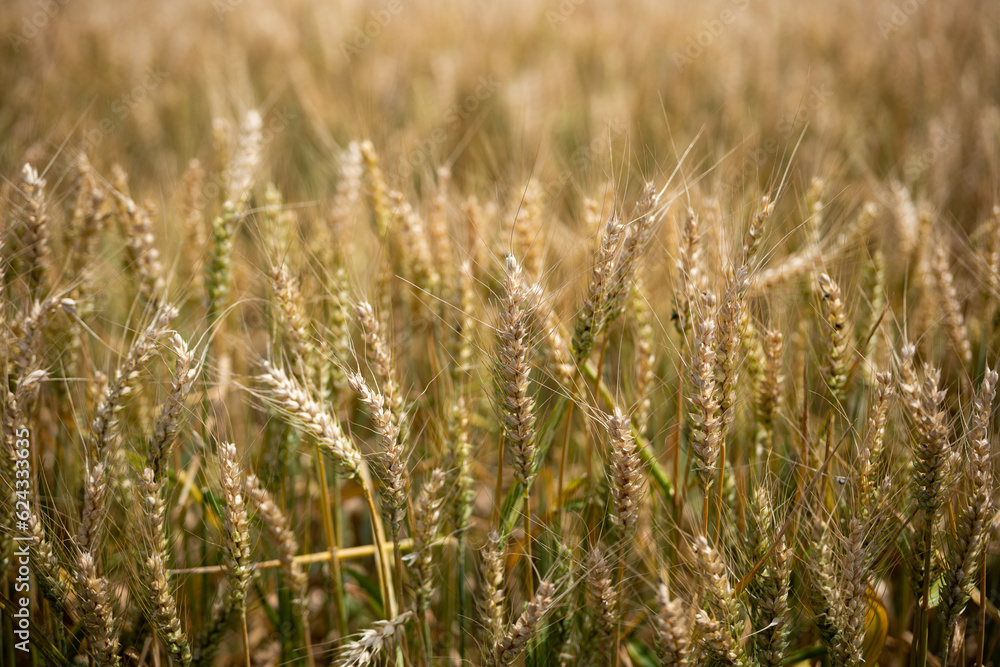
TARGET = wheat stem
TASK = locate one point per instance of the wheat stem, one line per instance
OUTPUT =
(336, 578)
(378, 533)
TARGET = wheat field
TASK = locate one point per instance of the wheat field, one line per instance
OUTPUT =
(568, 332)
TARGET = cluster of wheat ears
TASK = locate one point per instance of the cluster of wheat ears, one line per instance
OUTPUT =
(669, 415)
(441, 458)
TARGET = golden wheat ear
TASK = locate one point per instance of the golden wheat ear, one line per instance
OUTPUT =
(524, 629)
(494, 594)
(954, 320)
(602, 599)
(673, 631)
(35, 232)
(768, 593)
(721, 623)
(964, 558)
(96, 609)
(706, 424)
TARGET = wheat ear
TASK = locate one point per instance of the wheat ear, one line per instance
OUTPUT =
(602, 599)
(951, 306)
(15, 414)
(292, 307)
(706, 431)
(591, 321)
(98, 617)
(673, 632)
(517, 408)
(767, 391)
(769, 589)
(427, 517)
(722, 623)
(237, 539)
(825, 590)
(516, 640)
(835, 364)
(393, 455)
(645, 365)
(854, 591)
(382, 636)
(104, 449)
(35, 232)
(186, 371)
(688, 276)
(156, 580)
(871, 452)
(293, 401)
(140, 244)
(240, 173)
(492, 602)
(377, 351)
(971, 535)
(625, 472)
(296, 404)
